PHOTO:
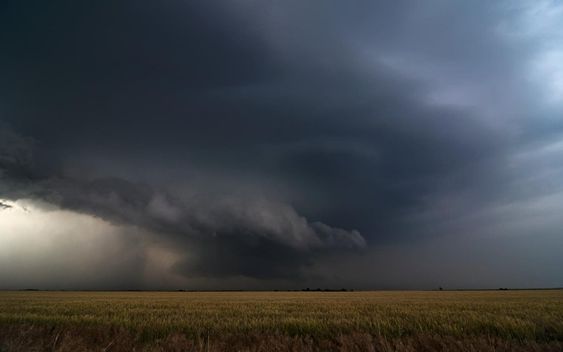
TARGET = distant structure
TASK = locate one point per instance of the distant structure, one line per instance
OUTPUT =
(327, 290)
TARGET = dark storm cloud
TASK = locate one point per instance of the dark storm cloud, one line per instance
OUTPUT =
(224, 230)
(223, 126)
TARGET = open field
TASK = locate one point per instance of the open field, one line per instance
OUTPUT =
(281, 321)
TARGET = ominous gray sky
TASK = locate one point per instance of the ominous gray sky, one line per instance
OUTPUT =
(281, 144)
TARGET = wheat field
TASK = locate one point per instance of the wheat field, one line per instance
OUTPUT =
(282, 321)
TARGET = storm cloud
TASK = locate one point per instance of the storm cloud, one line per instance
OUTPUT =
(295, 141)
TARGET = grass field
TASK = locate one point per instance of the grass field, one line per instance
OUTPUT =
(282, 321)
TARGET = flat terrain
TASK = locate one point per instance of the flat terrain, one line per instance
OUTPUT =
(282, 321)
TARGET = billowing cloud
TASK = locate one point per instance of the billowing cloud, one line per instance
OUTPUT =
(227, 223)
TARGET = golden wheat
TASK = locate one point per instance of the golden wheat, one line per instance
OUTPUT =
(304, 320)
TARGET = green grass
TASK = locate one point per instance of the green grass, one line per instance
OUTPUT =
(517, 317)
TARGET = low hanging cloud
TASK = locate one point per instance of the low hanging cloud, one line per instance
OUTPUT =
(229, 224)
(200, 216)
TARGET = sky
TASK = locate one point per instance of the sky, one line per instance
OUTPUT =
(247, 144)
